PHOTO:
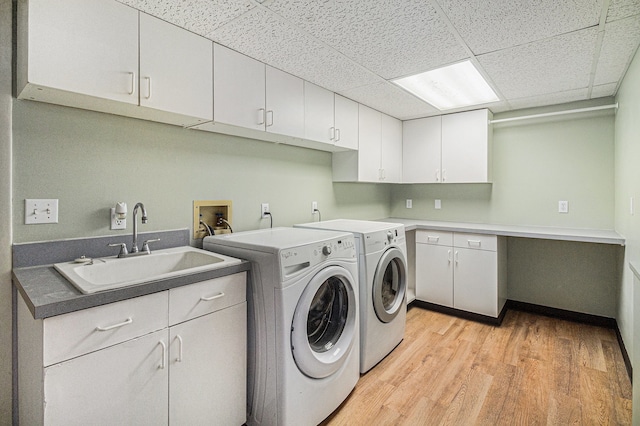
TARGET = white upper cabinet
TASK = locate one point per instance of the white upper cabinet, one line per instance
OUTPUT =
(238, 89)
(284, 103)
(176, 68)
(87, 53)
(369, 144)
(466, 147)
(421, 148)
(390, 149)
(379, 154)
(453, 148)
(346, 122)
(319, 114)
(87, 47)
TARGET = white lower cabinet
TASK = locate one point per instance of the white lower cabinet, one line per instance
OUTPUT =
(129, 369)
(461, 271)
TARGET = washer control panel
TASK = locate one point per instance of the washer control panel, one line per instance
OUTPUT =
(296, 259)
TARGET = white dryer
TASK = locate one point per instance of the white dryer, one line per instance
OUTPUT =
(382, 254)
(303, 328)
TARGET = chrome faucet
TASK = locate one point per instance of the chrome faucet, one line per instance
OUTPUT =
(134, 246)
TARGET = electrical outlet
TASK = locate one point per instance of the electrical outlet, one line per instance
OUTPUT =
(409, 203)
(40, 211)
(117, 223)
(314, 206)
(438, 204)
(264, 208)
(563, 207)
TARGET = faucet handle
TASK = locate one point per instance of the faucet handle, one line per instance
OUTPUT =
(145, 245)
(123, 248)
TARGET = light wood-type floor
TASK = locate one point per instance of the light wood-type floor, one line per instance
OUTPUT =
(531, 370)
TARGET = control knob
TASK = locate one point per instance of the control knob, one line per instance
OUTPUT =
(389, 236)
(326, 250)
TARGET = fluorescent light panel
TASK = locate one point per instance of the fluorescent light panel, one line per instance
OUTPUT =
(454, 86)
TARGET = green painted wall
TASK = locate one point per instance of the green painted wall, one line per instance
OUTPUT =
(90, 160)
(627, 177)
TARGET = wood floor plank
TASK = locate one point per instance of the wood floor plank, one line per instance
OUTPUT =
(530, 370)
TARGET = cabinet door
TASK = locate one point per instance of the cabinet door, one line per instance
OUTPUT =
(208, 359)
(285, 103)
(88, 47)
(318, 114)
(391, 149)
(238, 89)
(466, 147)
(369, 140)
(434, 274)
(176, 70)
(346, 121)
(476, 281)
(421, 150)
(125, 384)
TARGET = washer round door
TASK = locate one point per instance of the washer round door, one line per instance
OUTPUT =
(390, 284)
(323, 330)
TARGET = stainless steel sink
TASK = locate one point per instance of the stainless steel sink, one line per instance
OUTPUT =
(109, 273)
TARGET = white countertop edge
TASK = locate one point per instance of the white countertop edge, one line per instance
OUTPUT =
(542, 232)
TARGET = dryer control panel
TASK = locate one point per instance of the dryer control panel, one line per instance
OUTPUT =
(376, 241)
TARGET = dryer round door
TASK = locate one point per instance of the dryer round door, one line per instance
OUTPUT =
(324, 323)
(390, 284)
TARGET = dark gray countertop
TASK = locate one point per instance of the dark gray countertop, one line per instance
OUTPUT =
(47, 293)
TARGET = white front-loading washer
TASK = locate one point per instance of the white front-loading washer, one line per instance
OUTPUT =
(303, 328)
(382, 254)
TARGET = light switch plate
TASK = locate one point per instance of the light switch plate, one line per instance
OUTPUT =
(438, 204)
(409, 203)
(40, 211)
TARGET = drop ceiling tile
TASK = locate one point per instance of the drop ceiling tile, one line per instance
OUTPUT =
(392, 100)
(490, 25)
(268, 38)
(618, 47)
(198, 16)
(392, 38)
(604, 90)
(620, 9)
(550, 99)
(559, 64)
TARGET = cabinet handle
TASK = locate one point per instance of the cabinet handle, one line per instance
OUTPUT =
(133, 83)
(209, 299)
(261, 115)
(332, 133)
(269, 124)
(434, 239)
(444, 175)
(437, 175)
(475, 243)
(179, 339)
(337, 135)
(456, 257)
(148, 79)
(111, 327)
(449, 256)
(164, 355)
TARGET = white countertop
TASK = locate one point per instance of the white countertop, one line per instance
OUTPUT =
(542, 232)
